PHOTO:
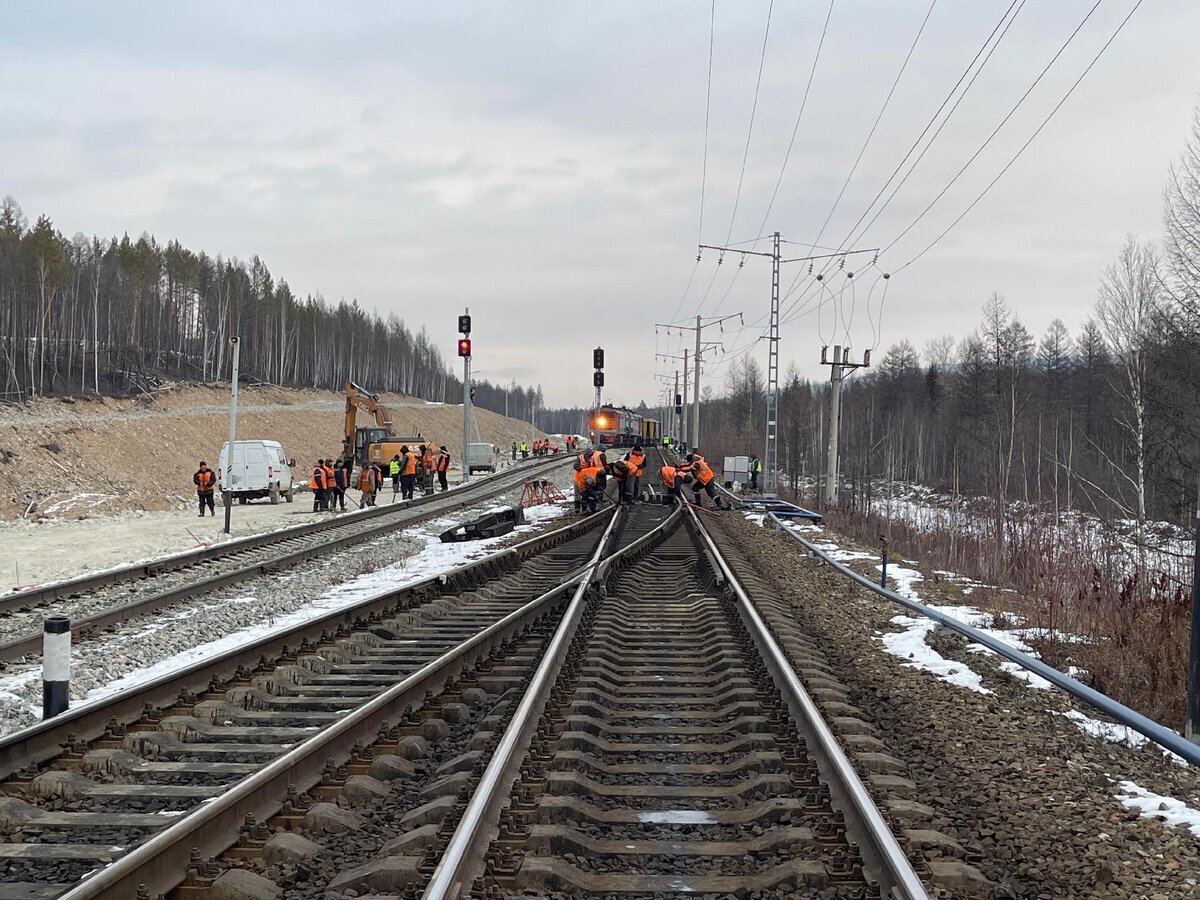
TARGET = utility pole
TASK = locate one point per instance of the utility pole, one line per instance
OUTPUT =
(678, 402)
(464, 350)
(770, 458)
(227, 494)
(692, 437)
(838, 366)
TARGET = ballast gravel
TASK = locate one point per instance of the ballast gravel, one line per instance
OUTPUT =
(1032, 799)
(141, 643)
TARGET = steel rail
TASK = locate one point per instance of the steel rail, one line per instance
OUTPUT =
(31, 644)
(216, 825)
(45, 740)
(455, 870)
(1154, 731)
(881, 851)
(47, 593)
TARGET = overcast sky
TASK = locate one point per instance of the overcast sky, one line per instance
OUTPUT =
(541, 162)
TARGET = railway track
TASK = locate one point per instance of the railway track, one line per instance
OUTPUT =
(180, 763)
(102, 600)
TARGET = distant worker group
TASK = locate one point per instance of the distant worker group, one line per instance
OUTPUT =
(592, 471)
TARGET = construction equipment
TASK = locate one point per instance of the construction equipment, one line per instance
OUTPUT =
(366, 445)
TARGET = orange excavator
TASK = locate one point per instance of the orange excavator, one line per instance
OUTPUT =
(367, 444)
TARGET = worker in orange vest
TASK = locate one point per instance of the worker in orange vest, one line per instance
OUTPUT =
(428, 464)
(702, 480)
(672, 482)
(636, 458)
(204, 480)
(443, 467)
(317, 483)
(408, 472)
(590, 481)
(330, 486)
(622, 472)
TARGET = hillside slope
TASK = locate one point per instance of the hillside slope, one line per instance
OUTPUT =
(76, 456)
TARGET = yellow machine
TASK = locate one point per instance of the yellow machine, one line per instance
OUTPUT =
(367, 445)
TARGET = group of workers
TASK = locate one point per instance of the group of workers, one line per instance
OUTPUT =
(592, 471)
(540, 447)
(329, 482)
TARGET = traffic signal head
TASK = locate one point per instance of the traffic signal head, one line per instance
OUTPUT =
(464, 346)
(597, 379)
(598, 359)
(464, 324)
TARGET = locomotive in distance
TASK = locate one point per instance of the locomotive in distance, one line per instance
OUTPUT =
(619, 426)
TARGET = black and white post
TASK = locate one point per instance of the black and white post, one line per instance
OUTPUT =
(227, 487)
(1191, 727)
(56, 665)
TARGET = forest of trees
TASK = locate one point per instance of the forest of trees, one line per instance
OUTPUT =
(1106, 418)
(86, 315)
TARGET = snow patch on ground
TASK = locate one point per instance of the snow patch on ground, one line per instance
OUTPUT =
(435, 558)
(912, 647)
(1174, 813)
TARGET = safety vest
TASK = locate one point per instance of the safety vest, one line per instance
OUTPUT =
(580, 481)
(589, 458)
(524, 446)
(443, 462)
(317, 482)
(668, 474)
(427, 461)
(204, 481)
(394, 468)
(637, 460)
(700, 471)
(666, 440)
(329, 477)
(410, 464)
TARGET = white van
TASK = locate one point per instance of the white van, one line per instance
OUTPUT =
(481, 458)
(259, 470)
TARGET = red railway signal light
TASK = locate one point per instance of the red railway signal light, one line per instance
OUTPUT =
(464, 347)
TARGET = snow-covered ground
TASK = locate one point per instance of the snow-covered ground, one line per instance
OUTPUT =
(33, 553)
(173, 640)
(1116, 541)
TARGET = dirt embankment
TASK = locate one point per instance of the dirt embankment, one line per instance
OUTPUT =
(74, 457)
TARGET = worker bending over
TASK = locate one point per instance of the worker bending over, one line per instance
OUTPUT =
(443, 467)
(589, 479)
(672, 482)
(702, 480)
(204, 480)
(636, 458)
(622, 472)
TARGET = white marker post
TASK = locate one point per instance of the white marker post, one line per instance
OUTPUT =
(56, 665)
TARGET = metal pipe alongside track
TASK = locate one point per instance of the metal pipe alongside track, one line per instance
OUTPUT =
(1156, 732)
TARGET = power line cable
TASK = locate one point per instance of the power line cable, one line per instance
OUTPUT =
(887, 100)
(1003, 122)
(750, 130)
(1033, 136)
(796, 128)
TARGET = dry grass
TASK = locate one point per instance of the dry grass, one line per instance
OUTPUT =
(1123, 621)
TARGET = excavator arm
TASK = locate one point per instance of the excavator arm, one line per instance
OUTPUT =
(360, 398)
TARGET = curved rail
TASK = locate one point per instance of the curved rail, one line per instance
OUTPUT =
(217, 824)
(89, 721)
(454, 869)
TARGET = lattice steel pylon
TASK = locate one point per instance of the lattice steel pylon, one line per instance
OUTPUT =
(770, 460)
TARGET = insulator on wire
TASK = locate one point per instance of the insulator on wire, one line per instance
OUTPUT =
(876, 259)
(810, 265)
(842, 263)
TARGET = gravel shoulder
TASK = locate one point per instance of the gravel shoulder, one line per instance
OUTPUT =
(1031, 798)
